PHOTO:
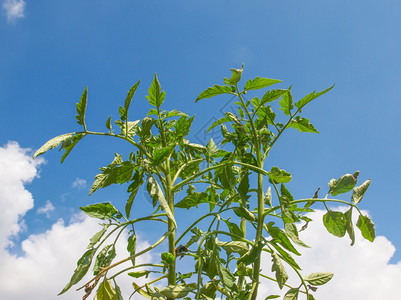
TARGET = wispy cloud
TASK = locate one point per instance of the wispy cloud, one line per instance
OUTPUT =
(14, 9)
(46, 209)
(79, 183)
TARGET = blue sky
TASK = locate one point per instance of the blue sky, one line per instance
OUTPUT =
(51, 50)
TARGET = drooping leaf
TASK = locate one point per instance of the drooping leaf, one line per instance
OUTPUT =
(106, 291)
(103, 211)
(349, 225)
(214, 91)
(124, 110)
(308, 98)
(131, 246)
(69, 144)
(226, 277)
(342, 185)
(157, 195)
(292, 294)
(279, 270)
(141, 291)
(156, 95)
(292, 232)
(279, 176)
(285, 256)
(83, 265)
(286, 103)
(235, 77)
(319, 278)
(54, 142)
(359, 191)
(177, 291)
(281, 237)
(303, 125)
(133, 189)
(197, 234)
(108, 123)
(367, 227)
(139, 274)
(335, 223)
(104, 258)
(259, 83)
(97, 236)
(243, 212)
(234, 246)
(81, 107)
(251, 255)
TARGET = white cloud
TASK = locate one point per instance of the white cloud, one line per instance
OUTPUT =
(14, 9)
(79, 183)
(362, 271)
(49, 258)
(46, 209)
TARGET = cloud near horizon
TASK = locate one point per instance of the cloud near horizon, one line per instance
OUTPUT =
(49, 258)
(14, 9)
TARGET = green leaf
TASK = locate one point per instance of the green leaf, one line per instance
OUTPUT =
(292, 232)
(104, 258)
(197, 234)
(105, 291)
(280, 236)
(139, 290)
(235, 77)
(176, 291)
(81, 108)
(268, 196)
(133, 189)
(286, 103)
(349, 225)
(139, 274)
(156, 95)
(131, 246)
(161, 154)
(128, 128)
(108, 123)
(55, 142)
(214, 91)
(251, 255)
(69, 144)
(259, 83)
(157, 195)
(167, 258)
(272, 297)
(303, 125)
(124, 110)
(359, 191)
(96, 238)
(335, 223)
(286, 256)
(117, 172)
(272, 95)
(226, 277)
(192, 200)
(279, 176)
(319, 278)
(342, 185)
(367, 227)
(83, 265)
(234, 229)
(243, 212)
(103, 211)
(278, 268)
(234, 246)
(308, 98)
(292, 294)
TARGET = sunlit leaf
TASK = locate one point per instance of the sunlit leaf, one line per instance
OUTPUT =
(235, 77)
(359, 191)
(342, 185)
(259, 83)
(214, 91)
(367, 227)
(124, 110)
(83, 265)
(319, 278)
(103, 211)
(349, 225)
(279, 176)
(105, 291)
(279, 270)
(104, 258)
(81, 107)
(176, 291)
(286, 102)
(303, 125)
(308, 98)
(156, 95)
(335, 223)
(292, 294)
